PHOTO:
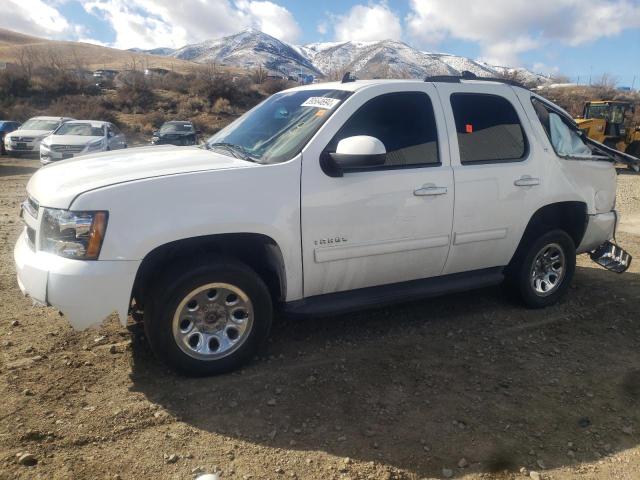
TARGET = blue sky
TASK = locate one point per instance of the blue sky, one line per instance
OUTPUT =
(575, 38)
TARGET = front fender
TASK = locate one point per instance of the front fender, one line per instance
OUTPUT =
(146, 214)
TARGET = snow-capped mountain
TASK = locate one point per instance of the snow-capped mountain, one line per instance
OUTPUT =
(161, 51)
(249, 49)
(252, 48)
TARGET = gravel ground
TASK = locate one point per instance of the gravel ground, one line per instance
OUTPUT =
(467, 385)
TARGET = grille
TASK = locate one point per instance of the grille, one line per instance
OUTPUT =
(25, 139)
(67, 148)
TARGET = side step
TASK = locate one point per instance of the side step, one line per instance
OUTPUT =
(363, 298)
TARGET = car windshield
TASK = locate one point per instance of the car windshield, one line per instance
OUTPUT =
(80, 129)
(176, 127)
(37, 124)
(278, 128)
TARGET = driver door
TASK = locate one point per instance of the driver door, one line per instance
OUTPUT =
(388, 224)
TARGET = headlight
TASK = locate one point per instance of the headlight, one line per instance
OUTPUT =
(95, 145)
(154, 139)
(44, 146)
(73, 234)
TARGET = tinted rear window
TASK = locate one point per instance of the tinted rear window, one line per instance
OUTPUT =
(488, 128)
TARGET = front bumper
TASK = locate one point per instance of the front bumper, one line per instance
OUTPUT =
(600, 229)
(48, 156)
(86, 292)
(21, 147)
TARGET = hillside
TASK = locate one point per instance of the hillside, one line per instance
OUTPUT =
(14, 45)
(249, 48)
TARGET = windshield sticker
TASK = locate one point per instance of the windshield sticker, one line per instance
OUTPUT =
(321, 102)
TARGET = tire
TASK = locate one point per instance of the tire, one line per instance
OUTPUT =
(208, 316)
(550, 256)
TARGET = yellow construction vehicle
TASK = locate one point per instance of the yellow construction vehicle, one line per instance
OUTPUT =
(609, 123)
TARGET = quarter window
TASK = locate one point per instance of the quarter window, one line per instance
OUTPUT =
(403, 121)
(488, 129)
(565, 138)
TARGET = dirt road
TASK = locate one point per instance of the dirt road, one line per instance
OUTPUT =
(468, 385)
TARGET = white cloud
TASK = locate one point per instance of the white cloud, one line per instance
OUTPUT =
(375, 21)
(270, 18)
(153, 23)
(506, 28)
(33, 17)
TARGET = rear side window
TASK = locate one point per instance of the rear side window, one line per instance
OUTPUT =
(403, 121)
(488, 129)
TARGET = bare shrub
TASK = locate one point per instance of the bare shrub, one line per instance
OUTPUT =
(82, 108)
(221, 105)
(275, 85)
(136, 97)
(14, 84)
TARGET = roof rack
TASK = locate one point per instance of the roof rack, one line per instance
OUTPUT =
(467, 75)
(347, 77)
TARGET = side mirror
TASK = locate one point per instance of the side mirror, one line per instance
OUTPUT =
(360, 152)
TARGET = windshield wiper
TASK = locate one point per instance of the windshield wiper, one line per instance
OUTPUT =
(236, 150)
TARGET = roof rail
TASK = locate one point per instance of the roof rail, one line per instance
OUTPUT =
(347, 77)
(467, 75)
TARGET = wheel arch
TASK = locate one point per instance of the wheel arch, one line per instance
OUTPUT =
(570, 216)
(260, 252)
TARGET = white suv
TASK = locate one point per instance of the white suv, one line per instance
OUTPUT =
(323, 198)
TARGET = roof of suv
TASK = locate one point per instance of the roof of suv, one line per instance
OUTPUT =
(355, 85)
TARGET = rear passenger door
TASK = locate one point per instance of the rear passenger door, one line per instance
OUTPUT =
(499, 183)
(387, 224)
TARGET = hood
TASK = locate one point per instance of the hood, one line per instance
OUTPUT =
(58, 184)
(71, 139)
(29, 133)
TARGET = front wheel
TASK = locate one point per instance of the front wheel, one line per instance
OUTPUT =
(543, 273)
(208, 317)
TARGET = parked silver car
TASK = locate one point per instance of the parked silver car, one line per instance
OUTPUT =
(80, 137)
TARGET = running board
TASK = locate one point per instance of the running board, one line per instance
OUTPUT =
(363, 298)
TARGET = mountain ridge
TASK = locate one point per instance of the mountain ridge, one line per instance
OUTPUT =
(252, 48)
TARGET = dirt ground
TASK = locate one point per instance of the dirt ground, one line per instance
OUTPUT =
(468, 385)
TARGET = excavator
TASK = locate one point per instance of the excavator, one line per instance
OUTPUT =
(609, 122)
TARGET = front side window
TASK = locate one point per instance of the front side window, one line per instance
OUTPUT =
(403, 121)
(565, 138)
(488, 129)
(276, 130)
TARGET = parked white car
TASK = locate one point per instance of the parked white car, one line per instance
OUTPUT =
(79, 137)
(324, 198)
(28, 137)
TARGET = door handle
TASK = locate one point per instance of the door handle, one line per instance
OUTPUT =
(429, 190)
(526, 181)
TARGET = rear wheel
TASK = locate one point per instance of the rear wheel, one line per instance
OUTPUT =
(544, 270)
(208, 317)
